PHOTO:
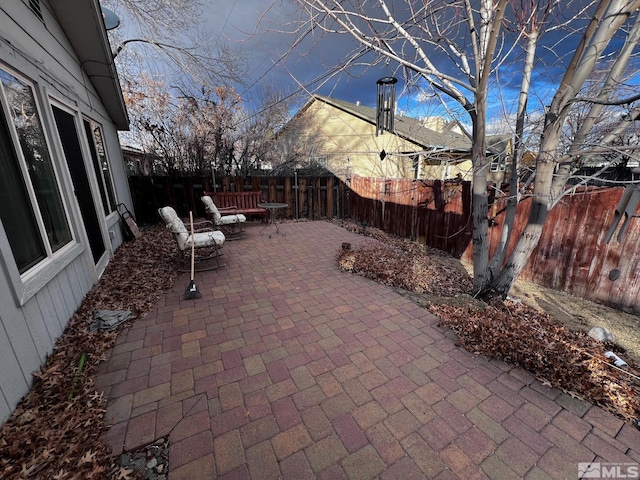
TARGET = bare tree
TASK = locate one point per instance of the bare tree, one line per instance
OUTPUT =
(162, 49)
(166, 37)
(257, 128)
(203, 129)
(460, 47)
(152, 111)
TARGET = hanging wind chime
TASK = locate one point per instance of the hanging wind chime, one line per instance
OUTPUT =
(385, 107)
(385, 104)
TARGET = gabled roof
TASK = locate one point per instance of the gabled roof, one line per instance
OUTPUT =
(406, 127)
(499, 144)
(82, 22)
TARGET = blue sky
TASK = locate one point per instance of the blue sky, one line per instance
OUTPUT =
(256, 26)
(312, 67)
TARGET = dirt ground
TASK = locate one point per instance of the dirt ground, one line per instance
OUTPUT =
(579, 314)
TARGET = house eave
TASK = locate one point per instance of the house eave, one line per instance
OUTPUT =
(82, 22)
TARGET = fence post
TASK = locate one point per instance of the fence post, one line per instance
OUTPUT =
(414, 211)
(317, 209)
(302, 196)
(336, 194)
(286, 194)
(329, 211)
(272, 190)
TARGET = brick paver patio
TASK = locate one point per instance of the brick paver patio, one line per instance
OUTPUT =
(289, 368)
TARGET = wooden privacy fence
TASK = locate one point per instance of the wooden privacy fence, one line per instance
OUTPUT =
(571, 256)
(430, 212)
(308, 197)
(434, 213)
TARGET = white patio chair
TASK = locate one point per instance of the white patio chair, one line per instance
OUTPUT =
(202, 238)
(225, 217)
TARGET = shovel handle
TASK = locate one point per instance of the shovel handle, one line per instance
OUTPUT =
(192, 246)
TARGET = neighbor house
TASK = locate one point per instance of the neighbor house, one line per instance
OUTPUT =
(341, 136)
(61, 175)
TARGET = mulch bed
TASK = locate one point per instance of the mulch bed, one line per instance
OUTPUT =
(54, 433)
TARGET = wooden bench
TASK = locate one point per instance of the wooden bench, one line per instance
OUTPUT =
(243, 202)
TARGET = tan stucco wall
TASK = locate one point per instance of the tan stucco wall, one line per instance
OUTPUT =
(350, 144)
(443, 172)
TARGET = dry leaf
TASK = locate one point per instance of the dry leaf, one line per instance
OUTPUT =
(51, 435)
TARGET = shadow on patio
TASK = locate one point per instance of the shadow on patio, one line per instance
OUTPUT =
(289, 368)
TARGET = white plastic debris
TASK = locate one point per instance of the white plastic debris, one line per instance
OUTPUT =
(617, 361)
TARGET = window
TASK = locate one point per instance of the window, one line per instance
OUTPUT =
(93, 132)
(319, 160)
(498, 164)
(31, 208)
(387, 188)
(70, 140)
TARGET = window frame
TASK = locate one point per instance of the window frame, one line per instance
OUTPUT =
(28, 283)
(105, 185)
(78, 221)
(498, 164)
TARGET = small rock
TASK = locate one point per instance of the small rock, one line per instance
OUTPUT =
(601, 334)
(514, 299)
(137, 463)
(152, 463)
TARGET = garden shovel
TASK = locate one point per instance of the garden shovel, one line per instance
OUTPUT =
(192, 291)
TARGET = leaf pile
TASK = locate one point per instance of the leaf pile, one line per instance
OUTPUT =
(54, 433)
(571, 361)
(408, 265)
(510, 331)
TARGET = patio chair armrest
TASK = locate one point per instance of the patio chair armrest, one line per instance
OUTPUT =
(232, 208)
(203, 226)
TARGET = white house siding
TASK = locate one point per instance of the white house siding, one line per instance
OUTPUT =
(34, 314)
(28, 334)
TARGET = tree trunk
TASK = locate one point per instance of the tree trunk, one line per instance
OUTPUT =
(527, 242)
(540, 205)
(491, 15)
(512, 200)
(480, 233)
(521, 254)
(480, 201)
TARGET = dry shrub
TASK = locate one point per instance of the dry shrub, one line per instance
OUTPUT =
(409, 266)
